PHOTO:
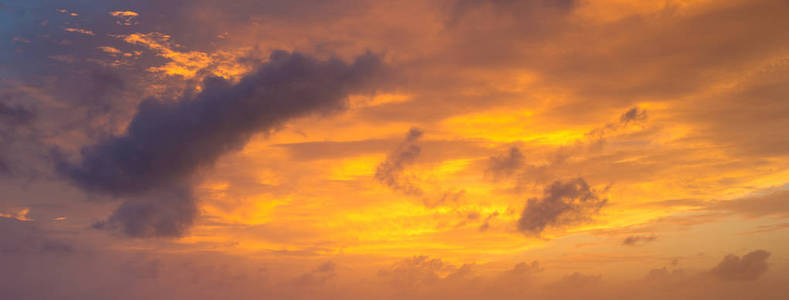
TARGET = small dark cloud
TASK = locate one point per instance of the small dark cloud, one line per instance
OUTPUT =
(390, 171)
(562, 203)
(634, 114)
(447, 198)
(635, 240)
(598, 135)
(750, 266)
(486, 225)
(11, 115)
(505, 165)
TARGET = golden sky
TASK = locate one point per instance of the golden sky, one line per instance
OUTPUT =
(352, 149)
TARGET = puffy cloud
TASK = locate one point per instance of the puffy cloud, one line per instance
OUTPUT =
(562, 203)
(633, 115)
(390, 171)
(750, 266)
(506, 165)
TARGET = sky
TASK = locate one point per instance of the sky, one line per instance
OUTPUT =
(359, 149)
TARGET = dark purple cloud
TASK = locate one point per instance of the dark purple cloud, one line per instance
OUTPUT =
(168, 140)
(562, 203)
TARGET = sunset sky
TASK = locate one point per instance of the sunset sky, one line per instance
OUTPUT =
(360, 149)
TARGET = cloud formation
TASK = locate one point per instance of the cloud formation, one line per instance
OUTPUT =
(562, 203)
(167, 212)
(167, 141)
(750, 266)
(635, 240)
(507, 164)
(390, 171)
(14, 115)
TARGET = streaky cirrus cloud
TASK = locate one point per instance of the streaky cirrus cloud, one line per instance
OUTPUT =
(168, 141)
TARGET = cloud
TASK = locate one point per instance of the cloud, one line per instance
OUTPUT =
(125, 18)
(80, 30)
(390, 171)
(420, 275)
(163, 213)
(632, 115)
(562, 203)
(486, 225)
(512, 164)
(635, 240)
(507, 164)
(11, 115)
(750, 266)
(20, 215)
(166, 142)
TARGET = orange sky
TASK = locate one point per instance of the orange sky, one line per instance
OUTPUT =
(549, 149)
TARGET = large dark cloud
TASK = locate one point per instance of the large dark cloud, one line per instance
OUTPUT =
(750, 266)
(562, 203)
(168, 140)
(390, 171)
